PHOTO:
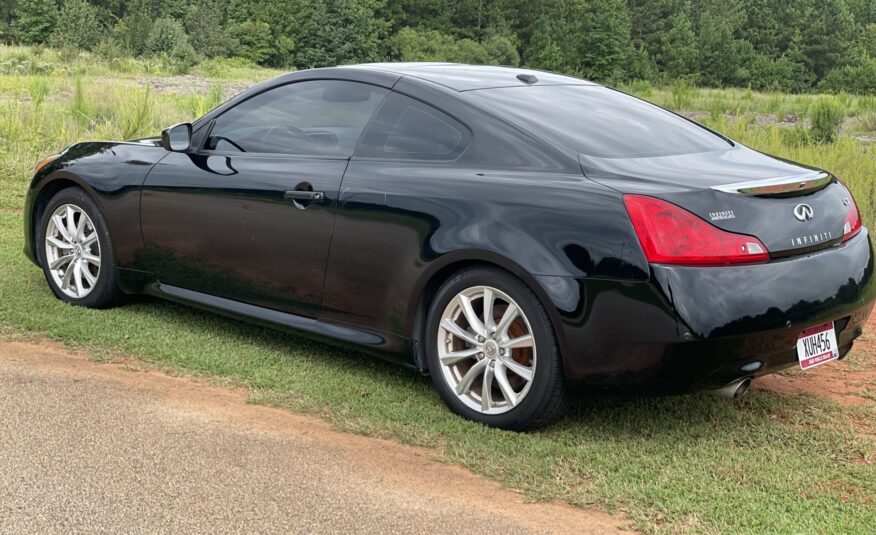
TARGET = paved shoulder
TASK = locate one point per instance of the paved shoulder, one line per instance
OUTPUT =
(87, 447)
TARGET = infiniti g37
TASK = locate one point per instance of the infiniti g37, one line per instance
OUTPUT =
(509, 232)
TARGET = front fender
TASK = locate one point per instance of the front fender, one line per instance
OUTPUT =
(112, 173)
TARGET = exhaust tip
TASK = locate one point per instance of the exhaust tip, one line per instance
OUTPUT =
(741, 389)
(734, 390)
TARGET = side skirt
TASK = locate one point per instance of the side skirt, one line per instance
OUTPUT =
(386, 346)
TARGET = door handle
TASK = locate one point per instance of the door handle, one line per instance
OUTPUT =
(303, 195)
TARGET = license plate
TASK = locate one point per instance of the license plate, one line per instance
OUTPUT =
(817, 345)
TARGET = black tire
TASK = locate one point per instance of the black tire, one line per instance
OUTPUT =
(547, 397)
(106, 292)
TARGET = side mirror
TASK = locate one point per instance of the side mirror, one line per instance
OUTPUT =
(177, 138)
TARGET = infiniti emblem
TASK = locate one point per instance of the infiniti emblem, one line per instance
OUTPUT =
(803, 212)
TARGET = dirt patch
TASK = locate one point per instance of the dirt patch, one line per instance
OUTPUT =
(193, 85)
(851, 381)
(414, 470)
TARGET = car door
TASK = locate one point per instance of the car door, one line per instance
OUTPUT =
(248, 216)
(404, 171)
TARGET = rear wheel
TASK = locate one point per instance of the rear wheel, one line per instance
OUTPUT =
(76, 252)
(492, 353)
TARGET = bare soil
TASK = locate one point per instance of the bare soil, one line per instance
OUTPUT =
(413, 471)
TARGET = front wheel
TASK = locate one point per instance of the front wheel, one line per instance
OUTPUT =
(76, 251)
(492, 353)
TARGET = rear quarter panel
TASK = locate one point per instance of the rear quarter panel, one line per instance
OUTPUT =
(399, 224)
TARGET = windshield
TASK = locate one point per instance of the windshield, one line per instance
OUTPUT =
(599, 122)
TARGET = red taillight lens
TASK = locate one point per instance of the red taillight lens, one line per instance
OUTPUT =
(672, 235)
(853, 223)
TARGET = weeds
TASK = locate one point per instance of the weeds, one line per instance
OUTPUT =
(682, 95)
(827, 116)
(138, 118)
(200, 105)
(37, 89)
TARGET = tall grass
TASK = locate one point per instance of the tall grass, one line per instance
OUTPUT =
(200, 105)
(37, 89)
(138, 116)
(827, 116)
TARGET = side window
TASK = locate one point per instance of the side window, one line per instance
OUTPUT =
(313, 118)
(407, 129)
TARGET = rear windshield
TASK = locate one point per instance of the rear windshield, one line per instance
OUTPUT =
(599, 122)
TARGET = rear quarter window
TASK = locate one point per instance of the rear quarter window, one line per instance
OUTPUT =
(407, 129)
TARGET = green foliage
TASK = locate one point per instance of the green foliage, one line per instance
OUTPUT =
(340, 32)
(860, 78)
(206, 29)
(133, 30)
(414, 45)
(36, 20)
(826, 114)
(78, 26)
(774, 46)
(679, 54)
(252, 40)
(166, 36)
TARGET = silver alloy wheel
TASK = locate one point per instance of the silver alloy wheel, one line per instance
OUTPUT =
(486, 349)
(72, 251)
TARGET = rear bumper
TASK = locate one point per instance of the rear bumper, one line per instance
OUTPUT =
(691, 328)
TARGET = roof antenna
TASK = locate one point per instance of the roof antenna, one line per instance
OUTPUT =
(527, 78)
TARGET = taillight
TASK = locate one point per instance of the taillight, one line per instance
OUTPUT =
(853, 223)
(672, 235)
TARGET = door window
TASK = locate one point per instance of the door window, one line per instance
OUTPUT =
(313, 118)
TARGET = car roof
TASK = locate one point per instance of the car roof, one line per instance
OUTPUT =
(460, 77)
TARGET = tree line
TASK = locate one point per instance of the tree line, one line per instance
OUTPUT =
(792, 45)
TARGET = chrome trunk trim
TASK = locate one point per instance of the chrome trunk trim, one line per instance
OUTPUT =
(781, 186)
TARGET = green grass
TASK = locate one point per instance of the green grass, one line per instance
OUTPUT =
(770, 464)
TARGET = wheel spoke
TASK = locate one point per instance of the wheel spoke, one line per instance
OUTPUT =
(77, 277)
(60, 261)
(473, 321)
(524, 372)
(91, 259)
(71, 221)
(459, 332)
(92, 280)
(520, 341)
(487, 390)
(504, 385)
(68, 275)
(55, 242)
(88, 240)
(470, 376)
(454, 357)
(489, 300)
(509, 316)
(62, 228)
(80, 227)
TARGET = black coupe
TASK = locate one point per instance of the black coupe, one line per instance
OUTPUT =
(507, 231)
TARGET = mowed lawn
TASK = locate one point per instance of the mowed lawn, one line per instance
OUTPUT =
(776, 462)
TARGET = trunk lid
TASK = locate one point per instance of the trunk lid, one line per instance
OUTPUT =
(790, 208)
